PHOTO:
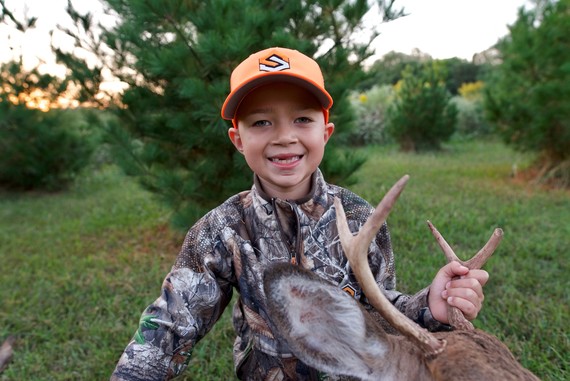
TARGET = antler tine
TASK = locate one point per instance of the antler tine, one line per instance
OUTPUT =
(485, 253)
(454, 315)
(478, 259)
(447, 250)
(356, 251)
(373, 224)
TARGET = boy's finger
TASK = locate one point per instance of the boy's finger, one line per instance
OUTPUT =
(481, 276)
(467, 284)
(468, 309)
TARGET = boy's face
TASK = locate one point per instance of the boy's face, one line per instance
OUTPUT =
(282, 134)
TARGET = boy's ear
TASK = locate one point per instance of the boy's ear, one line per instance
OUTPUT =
(329, 129)
(233, 133)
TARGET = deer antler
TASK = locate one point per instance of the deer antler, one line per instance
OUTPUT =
(454, 315)
(356, 251)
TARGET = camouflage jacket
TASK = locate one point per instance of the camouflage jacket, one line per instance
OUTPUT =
(229, 248)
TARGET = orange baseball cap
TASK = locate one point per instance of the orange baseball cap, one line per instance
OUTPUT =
(275, 65)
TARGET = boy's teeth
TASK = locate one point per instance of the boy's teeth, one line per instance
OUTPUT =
(285, 161)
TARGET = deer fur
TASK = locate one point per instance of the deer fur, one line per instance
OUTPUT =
(330, 331)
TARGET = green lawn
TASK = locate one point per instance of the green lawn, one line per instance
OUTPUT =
(78, 267)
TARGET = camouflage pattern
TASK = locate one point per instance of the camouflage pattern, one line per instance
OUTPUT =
(229, 248)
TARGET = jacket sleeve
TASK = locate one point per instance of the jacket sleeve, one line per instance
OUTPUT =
(193, 296)
(413, 306)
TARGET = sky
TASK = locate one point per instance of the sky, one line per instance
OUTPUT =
(440, 28)
(35, 43)
(448, 28)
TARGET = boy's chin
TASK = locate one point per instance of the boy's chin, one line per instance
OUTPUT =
(294, 187)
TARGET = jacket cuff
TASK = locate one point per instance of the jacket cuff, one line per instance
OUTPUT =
(426, 320)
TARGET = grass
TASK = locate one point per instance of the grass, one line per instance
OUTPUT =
(77, 268)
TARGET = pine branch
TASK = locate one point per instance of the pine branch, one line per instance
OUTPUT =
(22, 27)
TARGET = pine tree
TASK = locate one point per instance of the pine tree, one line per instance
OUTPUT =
(176, 57)
(422, 115)
(528, 96)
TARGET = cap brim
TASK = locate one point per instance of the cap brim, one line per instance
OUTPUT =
(233, 100)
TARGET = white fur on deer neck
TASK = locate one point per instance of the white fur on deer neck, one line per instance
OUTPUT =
(311, 313)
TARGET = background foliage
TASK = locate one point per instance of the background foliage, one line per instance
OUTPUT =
(528, 97)
(39, 150)
(422, 115)
(471, 121)
(371, 108)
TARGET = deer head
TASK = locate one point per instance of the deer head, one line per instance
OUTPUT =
(329, 330)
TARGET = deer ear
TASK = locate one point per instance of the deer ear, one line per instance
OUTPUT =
(322, 325)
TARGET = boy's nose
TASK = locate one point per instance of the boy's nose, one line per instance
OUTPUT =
(285, 134)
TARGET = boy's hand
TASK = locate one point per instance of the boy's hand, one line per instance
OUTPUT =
(465, 293)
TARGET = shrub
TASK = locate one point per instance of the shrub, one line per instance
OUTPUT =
(471, 122)
(41, 150)
(472, 90)
(422, 115)
(371, 108)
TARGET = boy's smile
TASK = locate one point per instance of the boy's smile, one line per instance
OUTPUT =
(282, 134)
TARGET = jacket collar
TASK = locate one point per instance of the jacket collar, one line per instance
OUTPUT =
(318, 189)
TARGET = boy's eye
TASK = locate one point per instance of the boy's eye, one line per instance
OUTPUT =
(303, 119)
(261, 123)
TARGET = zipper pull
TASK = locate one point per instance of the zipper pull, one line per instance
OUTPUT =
(293, 257)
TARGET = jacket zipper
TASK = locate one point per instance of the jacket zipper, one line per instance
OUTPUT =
(293, 249)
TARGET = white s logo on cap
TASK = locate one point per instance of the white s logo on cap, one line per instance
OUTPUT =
(274, 63)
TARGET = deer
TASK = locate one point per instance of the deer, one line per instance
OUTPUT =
(329, 330)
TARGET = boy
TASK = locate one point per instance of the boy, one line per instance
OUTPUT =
(279, 108)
